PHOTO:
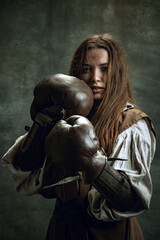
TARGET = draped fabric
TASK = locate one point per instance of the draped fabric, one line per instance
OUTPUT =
(136, 143)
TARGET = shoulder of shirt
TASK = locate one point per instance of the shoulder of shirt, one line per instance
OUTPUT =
(132, 115)
(140, 127)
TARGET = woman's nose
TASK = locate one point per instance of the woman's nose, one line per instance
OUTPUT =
(96, 75)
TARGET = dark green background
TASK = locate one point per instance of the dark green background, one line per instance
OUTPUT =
(38, 38)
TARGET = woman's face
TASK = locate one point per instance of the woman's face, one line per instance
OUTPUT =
(95, 70)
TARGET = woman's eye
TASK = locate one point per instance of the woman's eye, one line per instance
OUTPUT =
(105, 69)
(86, 69)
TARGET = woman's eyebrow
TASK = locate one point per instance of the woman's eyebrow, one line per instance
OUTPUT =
(101, 64)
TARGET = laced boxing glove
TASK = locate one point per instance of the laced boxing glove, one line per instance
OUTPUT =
(73, 146)
(51, 95)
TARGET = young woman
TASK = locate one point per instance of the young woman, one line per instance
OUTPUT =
(103, 199)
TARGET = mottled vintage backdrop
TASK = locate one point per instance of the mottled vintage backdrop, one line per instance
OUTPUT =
(38, 38)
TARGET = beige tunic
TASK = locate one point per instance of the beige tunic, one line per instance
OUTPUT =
(137, 144)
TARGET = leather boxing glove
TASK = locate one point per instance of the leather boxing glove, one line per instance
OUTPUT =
(69, 93)
(51, 95)
(73, 146)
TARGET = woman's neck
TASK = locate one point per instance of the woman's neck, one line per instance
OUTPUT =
(94, 109)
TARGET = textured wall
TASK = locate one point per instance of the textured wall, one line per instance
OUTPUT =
(38, 38)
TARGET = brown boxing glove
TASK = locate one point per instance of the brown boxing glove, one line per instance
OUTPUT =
(52, 95)
(66, 92)
(73, 146)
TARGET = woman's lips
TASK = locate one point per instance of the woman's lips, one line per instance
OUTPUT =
(97, 89)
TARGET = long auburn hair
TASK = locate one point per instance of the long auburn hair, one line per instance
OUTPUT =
(117, 92)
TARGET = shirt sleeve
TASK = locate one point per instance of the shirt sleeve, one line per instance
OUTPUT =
(26, 182)
(136, 144)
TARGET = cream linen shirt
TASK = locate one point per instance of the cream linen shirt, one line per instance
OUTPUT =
(137, 144)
